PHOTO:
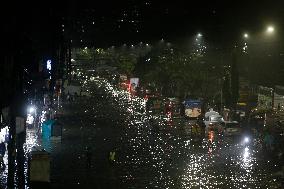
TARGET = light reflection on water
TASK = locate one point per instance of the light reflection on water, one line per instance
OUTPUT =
(168, 158)
(32, 141)
(177, 162)
(4, 172)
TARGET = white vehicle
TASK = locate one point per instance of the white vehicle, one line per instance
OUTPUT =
(213, 122)
(213, 117)
(232, 128)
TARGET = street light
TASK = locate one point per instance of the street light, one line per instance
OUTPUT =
(199, 35)
(270, 29)
(246, 36)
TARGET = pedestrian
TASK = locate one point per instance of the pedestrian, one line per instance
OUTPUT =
(1, 162)
(196, 130)
(112, 156)
(268, 141)
(68, 97)
(2, 153)
(88, 154)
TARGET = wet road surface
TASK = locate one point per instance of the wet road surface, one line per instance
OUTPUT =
(146, 157)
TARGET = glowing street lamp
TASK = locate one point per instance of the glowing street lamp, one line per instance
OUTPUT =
(270, 29)
(246, 36)
(48, 65)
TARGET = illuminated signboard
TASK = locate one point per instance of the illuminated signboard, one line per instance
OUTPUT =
(48, 64)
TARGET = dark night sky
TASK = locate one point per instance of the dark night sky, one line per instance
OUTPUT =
(115, 22)
(39, 27)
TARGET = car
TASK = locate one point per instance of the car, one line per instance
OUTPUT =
(232, 128)
(213, 117)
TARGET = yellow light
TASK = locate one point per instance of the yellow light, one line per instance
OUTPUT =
(270, 29)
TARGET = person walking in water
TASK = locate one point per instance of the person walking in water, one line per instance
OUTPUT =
(268, 140)
(112, 156)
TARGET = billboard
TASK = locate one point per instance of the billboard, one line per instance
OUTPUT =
(192, 108)
(48, 65)
(134, 82)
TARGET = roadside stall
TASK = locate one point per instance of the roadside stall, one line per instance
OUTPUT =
(39, 169)
(56, 131)
(52, 129)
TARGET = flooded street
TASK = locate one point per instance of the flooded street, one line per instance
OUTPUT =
(168, 157)
(142, 95)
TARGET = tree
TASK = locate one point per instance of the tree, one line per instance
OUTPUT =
(126, 63)
(227, 90)
(85, 54)
(234, 81)
(175, 72)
